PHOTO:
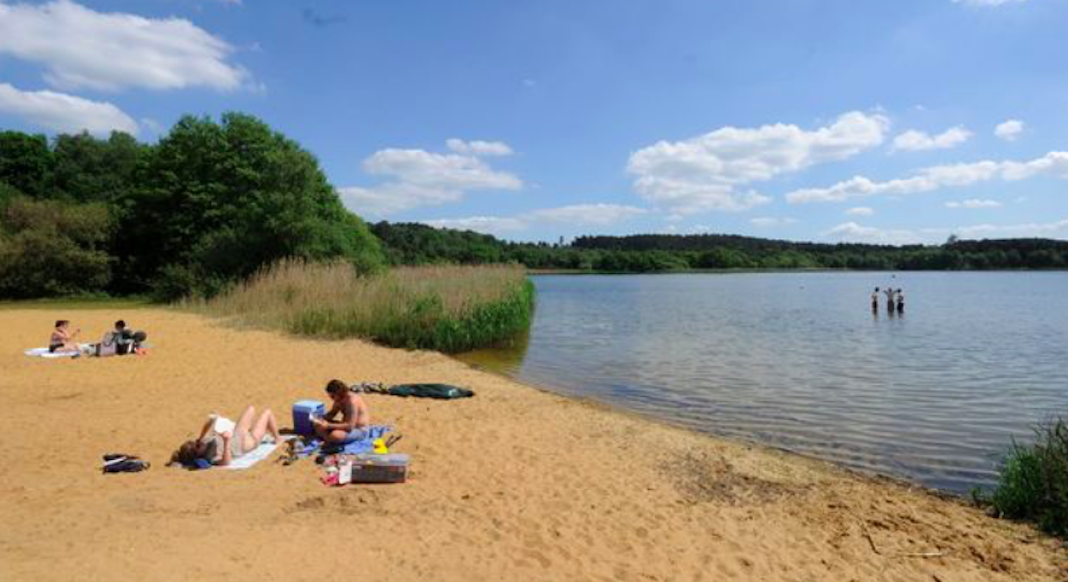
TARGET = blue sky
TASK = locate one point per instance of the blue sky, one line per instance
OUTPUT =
(824, 120)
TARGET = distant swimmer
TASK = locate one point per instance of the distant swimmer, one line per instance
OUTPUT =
(875, 300)
(900, 301)
(889, 299)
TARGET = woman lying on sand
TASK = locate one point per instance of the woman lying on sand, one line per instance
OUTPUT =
(62, 338)
(222, 440)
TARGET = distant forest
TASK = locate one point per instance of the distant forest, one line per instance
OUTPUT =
(415, 244)
(212, 202)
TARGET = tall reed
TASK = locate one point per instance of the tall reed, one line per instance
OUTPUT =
(1033, 484)
(446, 308)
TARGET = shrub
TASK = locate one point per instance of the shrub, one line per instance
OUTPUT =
(446, 308)
(1033, 484)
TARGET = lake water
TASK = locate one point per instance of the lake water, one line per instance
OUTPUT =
(799, 361)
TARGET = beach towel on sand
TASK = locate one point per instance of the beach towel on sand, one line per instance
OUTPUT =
(252, 457)
(364, 445)
(44, 353)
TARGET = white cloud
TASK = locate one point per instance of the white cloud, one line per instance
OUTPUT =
(578, 215)
(1052, 164)
(83, 48)
(973, 203)
(64, 113)
(1058, 229)
(711, 171)
(853, 232)
(418, 178)
(860, 211)
(479, 148)
(1009, 130)
(913, 140)
(771, 221)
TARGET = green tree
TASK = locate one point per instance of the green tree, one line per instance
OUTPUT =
(220, 200)
(25, 162)
(48, 248)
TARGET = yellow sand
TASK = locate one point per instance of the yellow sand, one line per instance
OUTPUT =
(514, 484)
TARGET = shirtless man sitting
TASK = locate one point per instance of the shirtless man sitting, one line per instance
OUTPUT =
(355, 419)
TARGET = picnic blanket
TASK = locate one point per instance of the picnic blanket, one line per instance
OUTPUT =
(44, 353)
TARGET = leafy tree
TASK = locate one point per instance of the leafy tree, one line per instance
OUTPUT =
(220, 200)
(25, 162)
(48, 248)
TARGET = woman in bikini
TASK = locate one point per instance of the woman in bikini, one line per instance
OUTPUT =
(62, 338)
(222, 440)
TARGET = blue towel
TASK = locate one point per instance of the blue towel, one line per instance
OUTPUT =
(364, 445)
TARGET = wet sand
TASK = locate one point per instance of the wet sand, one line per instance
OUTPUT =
(514, 484)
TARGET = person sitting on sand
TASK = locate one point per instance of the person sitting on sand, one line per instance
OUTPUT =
(354, 416)
(62, 338)
(222, 440)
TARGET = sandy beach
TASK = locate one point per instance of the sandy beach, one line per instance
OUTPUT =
(514, 484)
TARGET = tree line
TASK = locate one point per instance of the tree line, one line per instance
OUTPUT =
(414, 244)
(212, 202)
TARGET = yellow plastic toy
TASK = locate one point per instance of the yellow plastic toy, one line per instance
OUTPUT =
(380, 447)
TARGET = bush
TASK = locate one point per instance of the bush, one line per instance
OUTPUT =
(1033, 484)
(451, 309)
(49, 249)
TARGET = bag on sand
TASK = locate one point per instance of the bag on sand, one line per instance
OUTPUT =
(118, 463)
(108, 345)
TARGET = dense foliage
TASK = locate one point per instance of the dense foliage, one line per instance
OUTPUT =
(206, 206)
(415, 244)
(1034, 480)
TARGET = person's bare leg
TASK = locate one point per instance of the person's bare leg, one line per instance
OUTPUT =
(265, 424)
(242, 430)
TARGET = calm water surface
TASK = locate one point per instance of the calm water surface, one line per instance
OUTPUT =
(798, 360)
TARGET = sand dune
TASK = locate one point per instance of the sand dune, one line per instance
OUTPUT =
(514, 484)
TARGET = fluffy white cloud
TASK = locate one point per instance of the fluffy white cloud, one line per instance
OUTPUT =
(711, 171)
(83, 48)
(418, 178)
(1058, 229)
(860, 211)
(851, 231)
(913, 140)
(64, 113)
(1052, 164)
(578, 215)
(771, 221)
(1009, 130)
(973, 203)
(479, 148)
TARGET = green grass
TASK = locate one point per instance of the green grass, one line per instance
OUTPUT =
(1033, 484)
(79, 302)
(444, 308)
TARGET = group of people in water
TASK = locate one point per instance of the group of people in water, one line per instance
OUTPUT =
(895, 300)
(221, 440)
(120, 341)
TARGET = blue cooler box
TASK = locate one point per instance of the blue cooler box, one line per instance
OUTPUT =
(303, 412)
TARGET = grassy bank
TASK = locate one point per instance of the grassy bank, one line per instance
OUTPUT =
(450, 309)
(1034, 481)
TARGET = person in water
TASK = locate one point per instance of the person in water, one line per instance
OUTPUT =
(355, 419)
(62, 338)
(222, 440)
(889, 299)
(875, 299)
(900, 301)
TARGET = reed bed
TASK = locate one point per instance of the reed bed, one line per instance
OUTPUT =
(1034, 480)
(445, 308)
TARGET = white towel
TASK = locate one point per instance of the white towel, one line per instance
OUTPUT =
(44, 353)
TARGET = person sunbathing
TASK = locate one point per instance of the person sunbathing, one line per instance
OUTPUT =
(62, 338)
(222, 440)
(355, 419)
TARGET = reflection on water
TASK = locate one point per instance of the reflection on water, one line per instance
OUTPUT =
(799, 360)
